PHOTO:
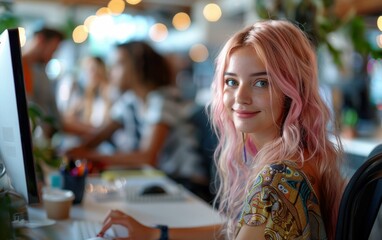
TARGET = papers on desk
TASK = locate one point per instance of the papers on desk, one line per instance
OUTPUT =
(129, 184)
(112, 175)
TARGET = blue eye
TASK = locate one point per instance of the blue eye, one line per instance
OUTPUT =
(231, 82)
(261, 83)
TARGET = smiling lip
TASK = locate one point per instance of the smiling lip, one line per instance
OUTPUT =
(245, 114)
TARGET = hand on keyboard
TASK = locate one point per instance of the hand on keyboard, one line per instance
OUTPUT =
(84, 230)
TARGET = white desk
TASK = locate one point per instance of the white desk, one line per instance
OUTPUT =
(360, 146)
(184, 213)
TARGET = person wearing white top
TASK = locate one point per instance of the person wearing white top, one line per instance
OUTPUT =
(149, 123)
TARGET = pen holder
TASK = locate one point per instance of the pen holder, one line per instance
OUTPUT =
(74, 172)
(76, 184)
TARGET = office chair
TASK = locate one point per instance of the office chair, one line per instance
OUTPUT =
(361, 199)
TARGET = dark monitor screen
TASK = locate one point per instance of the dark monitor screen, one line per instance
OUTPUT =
(15, 136)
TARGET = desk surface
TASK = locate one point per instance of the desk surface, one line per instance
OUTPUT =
(360, 146)
(189, 212)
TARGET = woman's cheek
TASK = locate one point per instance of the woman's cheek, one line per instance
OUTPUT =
(228, 102)
(225, 99)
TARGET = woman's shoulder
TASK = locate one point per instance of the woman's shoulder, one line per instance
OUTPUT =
(283, 197)
(285, 178)
(127, 97)
(169, 100)
(286, 169)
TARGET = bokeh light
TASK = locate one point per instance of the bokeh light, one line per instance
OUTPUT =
(103, 11)
(80, 34)
(101, 26)
(22, 36)
(198, 53)
(116, 6)
(379, 40)
(89, 21)
(181, 21)
(379, 23)
(212, 12)
(133, 2)
(54, 68)
(158, 32)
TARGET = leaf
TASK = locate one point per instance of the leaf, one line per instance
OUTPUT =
(261, 9)
(336, 54)
(319, 20)
(8, 20)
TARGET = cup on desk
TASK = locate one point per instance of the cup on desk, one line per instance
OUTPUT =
(57, 203)
(74, 178)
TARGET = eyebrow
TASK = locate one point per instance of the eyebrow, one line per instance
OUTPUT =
(252, 75)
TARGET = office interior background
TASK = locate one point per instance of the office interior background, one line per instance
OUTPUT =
(346, 33)
(191, 32)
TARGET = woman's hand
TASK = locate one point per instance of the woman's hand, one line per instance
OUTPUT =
(82, 152)
(137, 231)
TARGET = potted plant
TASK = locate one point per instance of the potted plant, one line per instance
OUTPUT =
(7, 18)
(45, 156)
(319, 20)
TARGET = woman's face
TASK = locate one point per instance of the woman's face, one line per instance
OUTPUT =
(121, 72)
(254, 106)
(95, 71)
(48, 48)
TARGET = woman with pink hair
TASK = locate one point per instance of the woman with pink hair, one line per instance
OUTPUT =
(278, 164)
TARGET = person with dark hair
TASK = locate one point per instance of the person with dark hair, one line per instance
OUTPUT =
(39, 88)
(149, 121)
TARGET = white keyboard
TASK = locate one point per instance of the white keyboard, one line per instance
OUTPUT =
(83, 230)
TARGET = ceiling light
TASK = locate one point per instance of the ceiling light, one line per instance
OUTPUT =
(212, 12)
(379, 40)
(133, 2)
(198, 53)
(103, 11)
(158, 32)
(379, 23)
(116, 6)
(22, 36)
(181, 21)
(80, 34)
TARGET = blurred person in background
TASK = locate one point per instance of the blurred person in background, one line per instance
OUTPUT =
(88, 99)
(90, 102)
(149, 122)
(41, 92)
(39, 88)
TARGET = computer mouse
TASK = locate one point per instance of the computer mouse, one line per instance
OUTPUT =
(153, 189)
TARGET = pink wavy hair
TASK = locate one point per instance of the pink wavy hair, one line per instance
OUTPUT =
(291, 65)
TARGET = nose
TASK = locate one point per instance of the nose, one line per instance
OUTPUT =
(243, 95)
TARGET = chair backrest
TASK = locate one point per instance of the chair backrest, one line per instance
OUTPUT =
(361, 199)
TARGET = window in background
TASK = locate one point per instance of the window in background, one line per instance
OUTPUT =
(105, 31)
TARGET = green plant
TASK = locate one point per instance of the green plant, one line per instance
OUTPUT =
(318, 19)
(7, 18)
(43, 151)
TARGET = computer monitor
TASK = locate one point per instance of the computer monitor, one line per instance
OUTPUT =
(15, 135)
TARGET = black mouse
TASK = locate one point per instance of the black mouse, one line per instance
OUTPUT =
(153, 189)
